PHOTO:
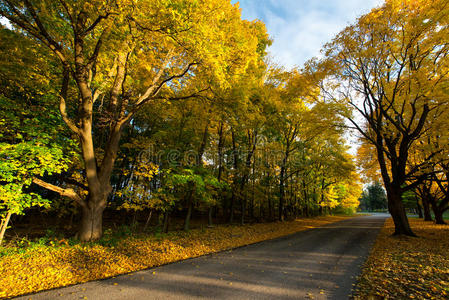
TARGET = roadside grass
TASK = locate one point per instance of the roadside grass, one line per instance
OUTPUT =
(407, 267)
(52, 262)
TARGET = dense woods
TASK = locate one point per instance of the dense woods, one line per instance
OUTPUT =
(171, 110)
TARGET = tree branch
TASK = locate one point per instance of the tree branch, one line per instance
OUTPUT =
(62, 102)
(68, 192)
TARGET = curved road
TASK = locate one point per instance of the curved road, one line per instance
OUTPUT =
(321, 263)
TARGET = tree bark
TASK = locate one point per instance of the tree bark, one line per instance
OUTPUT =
(148, 220)
(437, 211)
(231, 208)
(189, 211)
(210, 222)
(4, 225)
(397, 211)
(234, 181)
(91, 223)
(166, 222)
(426, 209)
(439, 217)
(281, 195)
(419, 209)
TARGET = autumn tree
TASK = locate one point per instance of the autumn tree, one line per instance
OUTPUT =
(33, 140)
(392, 66)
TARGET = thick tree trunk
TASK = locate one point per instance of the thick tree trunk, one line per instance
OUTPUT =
(438, 212)
(91, 227)
(397, 211)
(439, 217)
(426, 209)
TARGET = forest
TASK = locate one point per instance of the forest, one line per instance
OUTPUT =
(163, 112)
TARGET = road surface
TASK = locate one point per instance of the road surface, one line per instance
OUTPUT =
(320, 263)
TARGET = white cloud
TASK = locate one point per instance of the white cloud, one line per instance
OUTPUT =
(5, 22)
(301, 27)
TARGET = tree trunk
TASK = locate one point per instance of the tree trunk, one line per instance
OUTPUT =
(438, 212)
(199, 160)
(282, 183)
(281, 195)
(397, 211)
(210, 222)
(234, 181)
(4, 225)
(419, 209)
(231, 212)
(426, 209)
(243, 208)
(270, 206)
(166, 222)
(148, 220)
(439, 217)
(91, 222)
(189, 212)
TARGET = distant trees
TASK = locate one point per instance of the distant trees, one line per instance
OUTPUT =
(373, 198)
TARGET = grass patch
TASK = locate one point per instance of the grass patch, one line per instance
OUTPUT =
(407, 267)
(56, 263)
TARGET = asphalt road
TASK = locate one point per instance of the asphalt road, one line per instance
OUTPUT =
(320, 263)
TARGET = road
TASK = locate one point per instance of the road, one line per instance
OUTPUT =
(320, 263)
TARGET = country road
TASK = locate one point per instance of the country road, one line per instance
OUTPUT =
(320, 263)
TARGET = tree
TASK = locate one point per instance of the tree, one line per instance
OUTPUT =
(392, 66)
(374, 197)
(117, 57)
(33, 141)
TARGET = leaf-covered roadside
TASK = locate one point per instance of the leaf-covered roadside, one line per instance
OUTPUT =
(49, 267)
(407, 267)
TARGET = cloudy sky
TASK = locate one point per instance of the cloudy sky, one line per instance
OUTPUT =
(300, 27)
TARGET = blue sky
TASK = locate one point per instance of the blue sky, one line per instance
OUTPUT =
(299, 28)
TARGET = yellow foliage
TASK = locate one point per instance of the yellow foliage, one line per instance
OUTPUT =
(45, 268)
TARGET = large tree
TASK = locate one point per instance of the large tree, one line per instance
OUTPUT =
(391, 68)
(116, 57)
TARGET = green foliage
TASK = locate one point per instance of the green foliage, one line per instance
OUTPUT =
(374, 198)
(204, 186)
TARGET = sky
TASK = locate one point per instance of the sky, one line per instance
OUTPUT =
(299, 28)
